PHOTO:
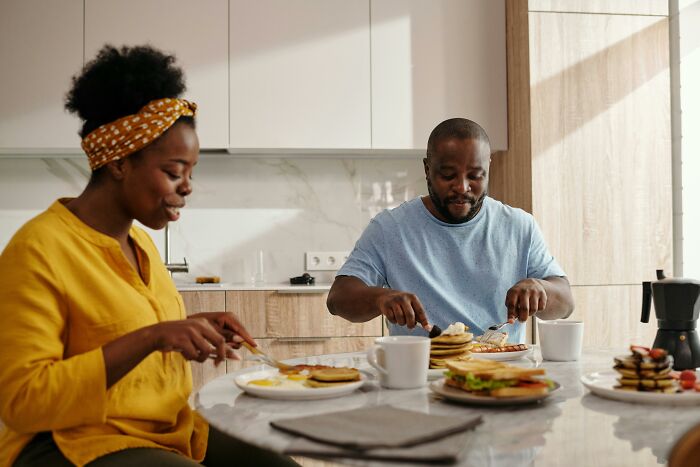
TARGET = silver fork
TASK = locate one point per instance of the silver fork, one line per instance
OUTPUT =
(492, 330)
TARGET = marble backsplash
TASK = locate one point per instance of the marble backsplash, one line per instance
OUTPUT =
(240, 205)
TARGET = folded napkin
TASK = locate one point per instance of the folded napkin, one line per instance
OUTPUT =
(383, 432)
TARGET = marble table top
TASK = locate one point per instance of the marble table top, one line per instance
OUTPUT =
(572, 427)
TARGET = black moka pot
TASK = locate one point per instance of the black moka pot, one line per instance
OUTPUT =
(677, 305)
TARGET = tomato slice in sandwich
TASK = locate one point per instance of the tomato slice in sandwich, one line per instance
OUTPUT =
(531, 384)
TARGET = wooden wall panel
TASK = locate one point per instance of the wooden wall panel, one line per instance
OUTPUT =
(601, 144)
(630, 7)
(510, 178)
(611, 316)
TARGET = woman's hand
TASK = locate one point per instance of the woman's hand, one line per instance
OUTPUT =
(228, 326)
(195, 339)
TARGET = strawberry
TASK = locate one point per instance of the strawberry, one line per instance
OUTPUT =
(697, 387)
(687, 384)
(688, 375)
(658, 354)
(638, 349)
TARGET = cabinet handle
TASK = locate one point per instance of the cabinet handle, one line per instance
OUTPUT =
(301, 290)
(301, 339)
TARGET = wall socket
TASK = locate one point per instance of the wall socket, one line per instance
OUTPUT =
(325, 260)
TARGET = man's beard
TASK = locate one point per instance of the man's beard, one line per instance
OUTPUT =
(442, 206)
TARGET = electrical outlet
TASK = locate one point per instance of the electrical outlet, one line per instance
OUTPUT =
(325, 260)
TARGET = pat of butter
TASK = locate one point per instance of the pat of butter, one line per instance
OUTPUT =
(455, 329)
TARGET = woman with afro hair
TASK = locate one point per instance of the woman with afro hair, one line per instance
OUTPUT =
(94, 368)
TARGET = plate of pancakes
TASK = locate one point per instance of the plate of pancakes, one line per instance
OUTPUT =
(321, 382)
(449, 347)
(644, 376)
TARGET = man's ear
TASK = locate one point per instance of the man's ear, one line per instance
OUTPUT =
(117, 169)
(426, 166)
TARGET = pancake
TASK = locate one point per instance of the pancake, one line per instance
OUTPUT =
(335, 374)
(452, 339)
(454, 350)
(324, 384)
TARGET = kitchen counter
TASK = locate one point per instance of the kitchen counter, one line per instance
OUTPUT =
(572, 427)
(280, 287)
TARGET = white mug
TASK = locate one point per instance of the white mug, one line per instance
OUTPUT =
(402, 361)
(560, 339)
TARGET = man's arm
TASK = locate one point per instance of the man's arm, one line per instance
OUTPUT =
(352, 299)
(550, 298)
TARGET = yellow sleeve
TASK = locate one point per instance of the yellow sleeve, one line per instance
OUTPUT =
(39, 389)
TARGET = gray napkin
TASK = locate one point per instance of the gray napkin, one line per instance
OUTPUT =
(382, 432)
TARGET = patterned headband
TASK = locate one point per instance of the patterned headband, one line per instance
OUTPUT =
(120, 138)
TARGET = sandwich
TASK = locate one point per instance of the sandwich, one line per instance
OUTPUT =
(496, 379)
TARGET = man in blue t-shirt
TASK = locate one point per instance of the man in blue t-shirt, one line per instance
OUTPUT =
(454, 255)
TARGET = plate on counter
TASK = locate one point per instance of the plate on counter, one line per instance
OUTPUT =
(288, 389)
(457, 395)
(502, 356)
(602, 384)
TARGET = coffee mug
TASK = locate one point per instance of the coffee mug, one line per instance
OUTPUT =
(560, 339)
(402, 361)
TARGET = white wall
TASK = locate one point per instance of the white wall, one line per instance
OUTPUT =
(240, 205)
(687, 212)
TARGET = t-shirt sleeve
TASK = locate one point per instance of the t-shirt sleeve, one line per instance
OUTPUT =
(365, 261)
(540, 262)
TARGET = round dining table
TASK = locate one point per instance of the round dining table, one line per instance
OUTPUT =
(571, 427)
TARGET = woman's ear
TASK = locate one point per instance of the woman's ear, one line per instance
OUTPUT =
(117, 169)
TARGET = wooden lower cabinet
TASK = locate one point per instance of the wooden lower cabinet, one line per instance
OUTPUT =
(285, 325)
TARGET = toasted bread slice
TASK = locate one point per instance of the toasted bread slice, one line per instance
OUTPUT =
(508, 373)
(336, 374)
(519, 392)
(464, 367)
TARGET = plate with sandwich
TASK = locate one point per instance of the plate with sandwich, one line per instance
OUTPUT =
(488, 382)
(308, 382)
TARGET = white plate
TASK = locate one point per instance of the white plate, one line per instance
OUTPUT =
(436, 373)
(601, 384)
(298, 393)
(457, 395)
(503, 356)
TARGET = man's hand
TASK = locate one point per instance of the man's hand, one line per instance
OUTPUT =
(228, 326)
(402, 308)
(525, 298)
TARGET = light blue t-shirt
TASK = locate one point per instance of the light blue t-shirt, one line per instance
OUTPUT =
(460, 272)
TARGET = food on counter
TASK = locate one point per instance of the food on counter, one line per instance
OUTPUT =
(309, 376)
(647, 370)
(496, 379)
(452, 344)
(492, 339)
(208, 280)
(487, 348)
(328, 377)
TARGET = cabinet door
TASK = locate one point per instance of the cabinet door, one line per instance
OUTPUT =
(197, 302)
(273, 314)
(195, 32)
(433, 60)
(300, 74)
(41, 48)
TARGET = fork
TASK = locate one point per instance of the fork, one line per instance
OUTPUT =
(263, 357)
(493, 329)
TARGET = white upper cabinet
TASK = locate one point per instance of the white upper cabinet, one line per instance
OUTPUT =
(196, 32)
(300, 74)
(433, 60)
(41, 47)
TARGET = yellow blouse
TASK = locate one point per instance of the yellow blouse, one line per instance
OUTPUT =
(65, 291)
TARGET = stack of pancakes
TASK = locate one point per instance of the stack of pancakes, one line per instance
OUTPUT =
(449, 347)
(647, 370)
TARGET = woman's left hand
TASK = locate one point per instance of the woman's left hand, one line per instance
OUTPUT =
(228, 326)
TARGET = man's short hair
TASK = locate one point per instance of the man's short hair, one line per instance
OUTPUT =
(458, 128)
